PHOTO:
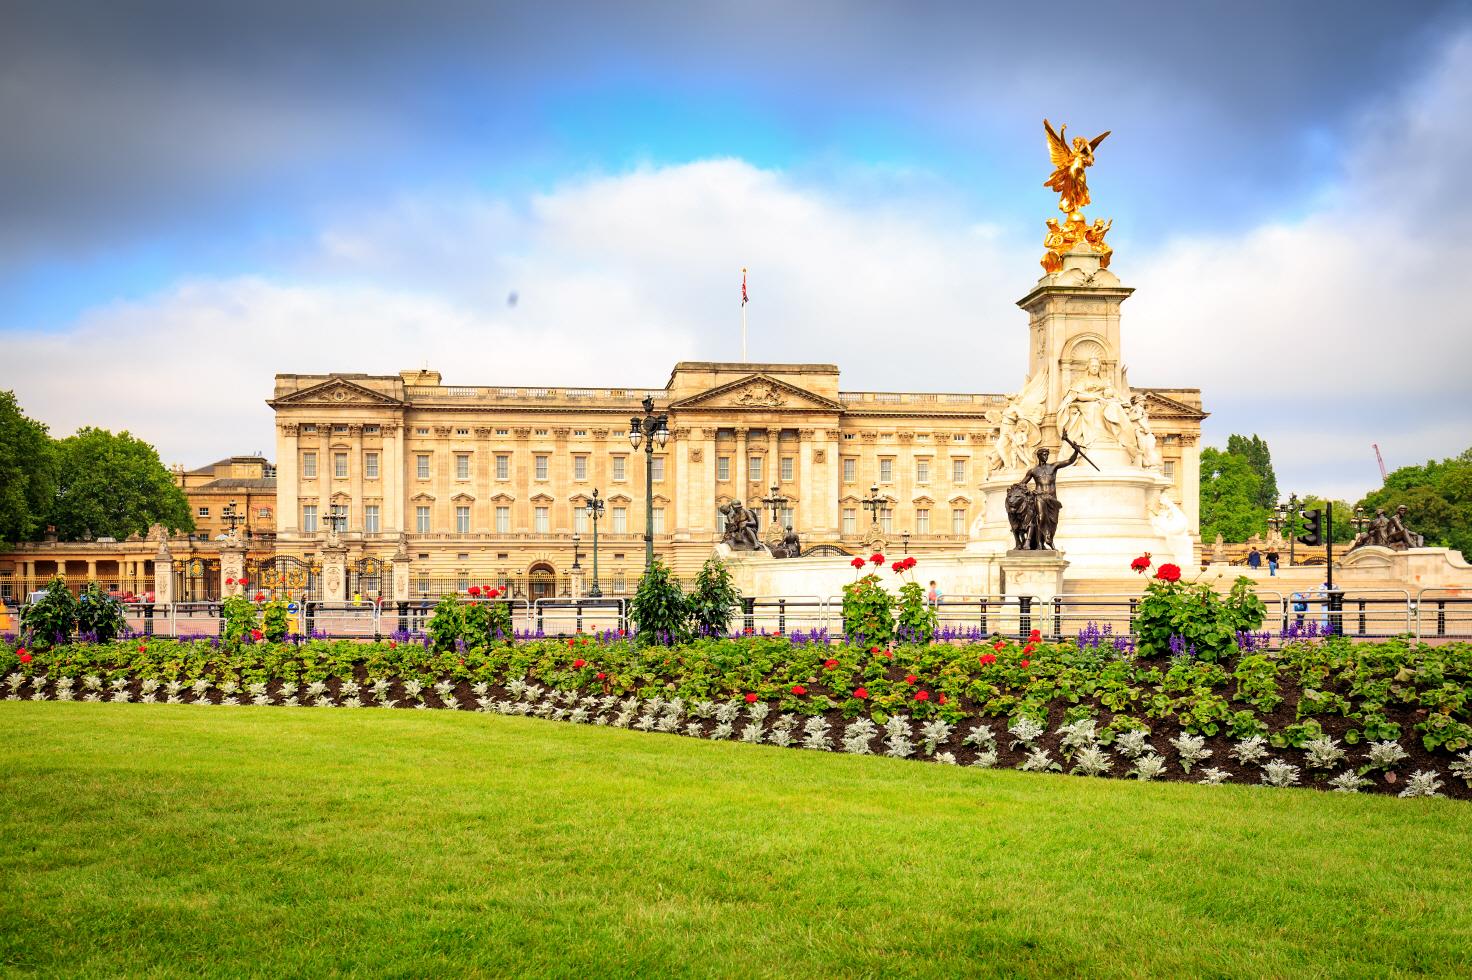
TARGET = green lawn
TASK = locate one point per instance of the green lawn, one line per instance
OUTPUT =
(180, 839)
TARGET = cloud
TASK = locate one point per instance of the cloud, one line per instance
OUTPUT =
(1323, 334)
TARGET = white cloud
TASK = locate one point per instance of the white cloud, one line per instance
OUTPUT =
(619, 276)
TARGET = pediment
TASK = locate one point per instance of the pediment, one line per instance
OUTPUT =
(759, 392)
(334, 391)
(1163, 407)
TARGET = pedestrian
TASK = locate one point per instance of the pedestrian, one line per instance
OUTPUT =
(1300, 606)
(1254, 560)
(934, 595)
(1272, 563)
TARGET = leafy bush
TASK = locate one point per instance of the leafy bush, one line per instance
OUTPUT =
(660, 611)
(448, 624)
(99, 614)
(275, 620)
(51, 618)
(868, 609)
(915, 620)
(239, 614)
(714, 600)
(1193, 619)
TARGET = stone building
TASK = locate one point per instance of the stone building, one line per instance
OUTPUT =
(490, 484)
(246, 482)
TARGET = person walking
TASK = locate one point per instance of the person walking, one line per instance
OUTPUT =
(1254, 559)
(1272, 563)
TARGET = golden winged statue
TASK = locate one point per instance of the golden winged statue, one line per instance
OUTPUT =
(1071, 183)
(1069, 163)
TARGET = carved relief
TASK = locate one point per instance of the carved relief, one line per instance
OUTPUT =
(696, 454)
(288, 429)
(522, 433)
(442, 431)
(819, 455)
(482, 432)
(761, 394)
(562, 433)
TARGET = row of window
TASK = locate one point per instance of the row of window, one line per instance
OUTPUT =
(422, 463)
(542, 519)
(263, 513)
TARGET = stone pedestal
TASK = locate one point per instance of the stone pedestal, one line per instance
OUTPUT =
(1035, 577)
(232, 570)
(401, 564)
(335, 574)
(163, 575)
(575, 576)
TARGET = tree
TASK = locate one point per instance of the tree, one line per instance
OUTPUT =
(1255, 450)
(1437, 497)
(1230, 490)
(27, 472)
(113, 485)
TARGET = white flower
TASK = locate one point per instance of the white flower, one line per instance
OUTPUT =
(1276, 772)
(1038, 760)
(1348, 781)
(1091, 760)
(1148, 766)
(1383, 755)
(1191, 748)
(1323, 753)
(1250, 750)
(1422, 784)
(1025, 731)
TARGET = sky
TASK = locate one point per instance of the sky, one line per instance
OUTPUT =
(195, 197)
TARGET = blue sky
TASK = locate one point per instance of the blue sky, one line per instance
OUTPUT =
(358, 186)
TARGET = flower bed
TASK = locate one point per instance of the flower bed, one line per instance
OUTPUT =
(1388, 717)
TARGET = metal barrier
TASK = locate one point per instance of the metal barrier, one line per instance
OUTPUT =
(786, 614)
(1443, 614)
(1363, 614)
(562, 617)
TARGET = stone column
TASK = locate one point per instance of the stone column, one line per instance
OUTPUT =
(355, 477)
(91, 569)
(334, 573)
(677, 517)
(739, 472)
(401, 563)
(163, 575)
(324, 472)
(288, 508)
(483, 482)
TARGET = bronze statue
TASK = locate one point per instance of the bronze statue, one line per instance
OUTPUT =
(790, 546)
(1376, 533)
(1033, 511)
(1400, 537)
(741, 526)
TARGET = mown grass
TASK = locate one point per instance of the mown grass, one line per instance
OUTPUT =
(173, 839)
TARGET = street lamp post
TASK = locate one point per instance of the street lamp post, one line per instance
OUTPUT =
(873, 502)
(577, 539)
(595, 511)
(650, 428)
(905, 537)
(775, 503)
(231, 517)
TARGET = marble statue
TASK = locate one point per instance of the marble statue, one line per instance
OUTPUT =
(1143, 442)
(1020, 425)
(1091, 411)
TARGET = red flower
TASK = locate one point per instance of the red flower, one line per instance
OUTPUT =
(899, 567)
(230, 581)
(1035, 635)
(942, 699)
(799, 690)
(998, 645)
(857, 562)
(861, 693)
(1141, 563)
(910, 562)
(830, 663)
(1168, 573)
(24, 657)
(910, 678)
(393, 644)
(256, 635)
(877, 558)
(572, 643)
(241, 582)
(987, 659)
(1024, 663)
(889, 654)
(922, 695)
(474, 590)
(751, 699)
(142, 648)
(1027, 650)
(579, 664)
(601, 676)
(492, 593)
(260, 597)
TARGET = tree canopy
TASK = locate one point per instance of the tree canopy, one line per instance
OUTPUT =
(1230, 490)
(1255, 450)
(27, 472)
(113, 485)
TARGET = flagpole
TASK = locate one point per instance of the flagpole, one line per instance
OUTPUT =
(743, 315)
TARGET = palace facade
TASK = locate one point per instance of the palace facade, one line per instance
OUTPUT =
(490, 485)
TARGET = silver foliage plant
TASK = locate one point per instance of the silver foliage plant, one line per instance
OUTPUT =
(1277, 773)
(1422, 783)
(1383, 755)
(1191, 749)
(1250, 750)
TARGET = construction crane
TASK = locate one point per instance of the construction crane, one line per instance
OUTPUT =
(1379, 459)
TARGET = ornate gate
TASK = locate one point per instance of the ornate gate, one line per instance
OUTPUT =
(196, 579)
(284, 577)
(369, 578)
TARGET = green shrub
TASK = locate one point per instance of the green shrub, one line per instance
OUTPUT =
(448, 623)
(99, 614)
(661, 611)
(239, 614)
(51, 618)
(714, 600)
(868, 610)
(275, 620)
(1176, 617)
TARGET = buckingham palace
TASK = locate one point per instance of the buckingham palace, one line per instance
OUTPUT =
(491, 484)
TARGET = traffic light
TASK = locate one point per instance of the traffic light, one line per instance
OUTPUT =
(1311, 535)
